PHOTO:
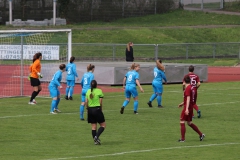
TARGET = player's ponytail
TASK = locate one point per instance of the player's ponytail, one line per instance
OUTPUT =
(72, 59)
(90, 67)
(36, 56)
(93, 85)
(134, 65)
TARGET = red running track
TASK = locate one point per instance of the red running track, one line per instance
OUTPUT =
(10, 81)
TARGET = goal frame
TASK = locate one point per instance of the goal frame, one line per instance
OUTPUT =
(69, 45)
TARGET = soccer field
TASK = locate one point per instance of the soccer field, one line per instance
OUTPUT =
(29, 132)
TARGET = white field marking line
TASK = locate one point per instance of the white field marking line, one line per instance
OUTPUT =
(148, 150)
(145, 108)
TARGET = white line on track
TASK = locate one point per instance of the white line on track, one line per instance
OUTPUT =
(148, 150)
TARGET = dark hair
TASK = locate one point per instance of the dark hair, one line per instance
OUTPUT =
(36, 56)
(62, 66)
(191, 68)
(159, 60)
(90, 67)
(72, 59)
(93, 85)
(187, 79)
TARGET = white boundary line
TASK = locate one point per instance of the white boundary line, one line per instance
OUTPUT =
(148, 150)
(30, 115)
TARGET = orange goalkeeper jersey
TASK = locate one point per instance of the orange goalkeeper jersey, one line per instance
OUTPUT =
(35, 68)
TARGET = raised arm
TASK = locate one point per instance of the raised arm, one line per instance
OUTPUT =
(160, 65)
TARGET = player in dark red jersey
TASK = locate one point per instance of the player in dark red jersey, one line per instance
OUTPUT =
(187, 112)
(195, 83)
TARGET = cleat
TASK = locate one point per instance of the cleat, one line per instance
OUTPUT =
(149, 104)
(201, 137)
(70, 98)
(31, 103)
(34, 101)
(180, 140)
(122, 110)
(66, 97)
(96, 141)
(135, 112)
(160, 106)
(57, 110)
(199, 114)
(82, 119)
(53, 113)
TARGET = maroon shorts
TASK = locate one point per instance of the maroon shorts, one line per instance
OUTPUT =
(184, 117)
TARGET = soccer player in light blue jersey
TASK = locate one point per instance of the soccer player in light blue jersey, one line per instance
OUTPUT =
(157, 85)
(53, 88)
(71, 74)
(131, 79)
(86, 85)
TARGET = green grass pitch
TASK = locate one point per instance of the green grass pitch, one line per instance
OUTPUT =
(29, 132)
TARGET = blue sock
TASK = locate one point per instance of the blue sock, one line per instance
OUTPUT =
(81, 111)
(153, 97)
(67, 90)
(125, 103)
(135, 105)
(71, 91)
(159, 100)
(58, 100)
(54, 104)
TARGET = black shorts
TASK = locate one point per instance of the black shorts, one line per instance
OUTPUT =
(95, 115)
(35, 82)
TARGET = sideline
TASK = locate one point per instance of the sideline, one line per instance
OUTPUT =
(148, 150)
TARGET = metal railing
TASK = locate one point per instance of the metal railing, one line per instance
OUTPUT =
(149, 52)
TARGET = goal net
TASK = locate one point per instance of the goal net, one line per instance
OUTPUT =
(17, 48)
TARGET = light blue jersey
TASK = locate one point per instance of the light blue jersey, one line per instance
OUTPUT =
(86, 83)
(131, 77)
(157, 85)
(71, 71)
(55, 82)
(86, 80)
(57, 77)
(159, 75)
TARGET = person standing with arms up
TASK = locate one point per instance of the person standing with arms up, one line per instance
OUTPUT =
(187, 112)
(35, 74)
(53, 88)
(94, 106)
(195, 83)
(131, 79)
(129, 52)
(71, 74)
(86, 84)
(157, 85)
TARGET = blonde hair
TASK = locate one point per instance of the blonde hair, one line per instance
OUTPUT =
(134, 65)
(90, 67)
(128, 45)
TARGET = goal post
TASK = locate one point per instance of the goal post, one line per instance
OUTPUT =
(17, 48)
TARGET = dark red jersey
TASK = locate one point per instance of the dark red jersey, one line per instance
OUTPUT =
(194, 79)
(188, 92)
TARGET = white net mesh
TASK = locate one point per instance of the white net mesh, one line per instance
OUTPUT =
(14, 67)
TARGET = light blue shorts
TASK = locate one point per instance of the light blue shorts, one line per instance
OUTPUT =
(54, 92)
(157, 87)
(71, 83)
(84, 91)
(131, 91)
